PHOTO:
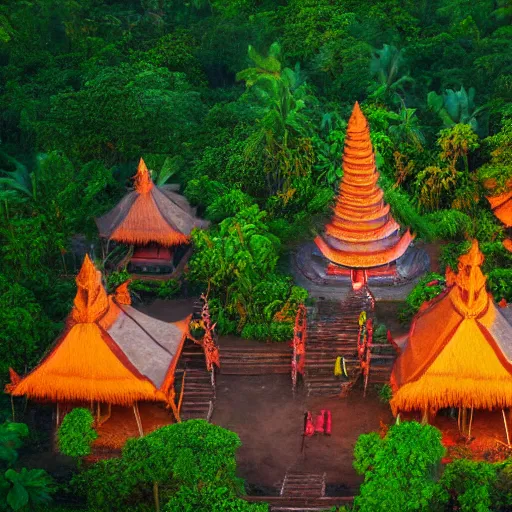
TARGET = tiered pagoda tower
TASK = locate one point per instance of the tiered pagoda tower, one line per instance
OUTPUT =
(362, 233)
(362, 240)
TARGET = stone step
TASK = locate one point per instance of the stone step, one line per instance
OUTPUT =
(256, 370)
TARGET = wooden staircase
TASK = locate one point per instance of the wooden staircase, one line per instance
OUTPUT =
(301, 492)
(199, 384)
(303, 485)
(382, 359)
(332, 331)
(254, 360)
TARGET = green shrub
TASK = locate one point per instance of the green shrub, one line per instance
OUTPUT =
(210, 498)
(499, 283)
(204, 191)
(281, 331)
(400, 470)
(76, 433)
(228, 205)
(22, 490)
(160, 289)
(467, 485)
(260, 332)
(450, 254)
(237, 261)
(450, 224)
(405, 212)
(116, 278)
(11, 435)
(420, 294)
(193, 454)
(275, 331)
(385, 394)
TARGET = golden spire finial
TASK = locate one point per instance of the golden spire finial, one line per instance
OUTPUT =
(470, 282)
(357, 121)
(142, 180)
(91, 298)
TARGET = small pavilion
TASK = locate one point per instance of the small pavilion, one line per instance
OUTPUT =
(109, 354)
(458, 353)
(154, 221)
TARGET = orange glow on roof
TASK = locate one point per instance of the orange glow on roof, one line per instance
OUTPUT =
(360, 214)
(501, 206)
(86, 363)
(142, 180)
(144, 224)
(459, 348)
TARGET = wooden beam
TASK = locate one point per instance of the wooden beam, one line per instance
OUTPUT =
(470, 422)
(182, 390)
(137, 418)
(506, 426)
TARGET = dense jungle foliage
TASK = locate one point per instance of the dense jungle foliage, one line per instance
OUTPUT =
(244, 103)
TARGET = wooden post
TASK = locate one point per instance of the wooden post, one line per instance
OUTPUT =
(107, 416)
(12, 408)
(137, 418)
(506, 426)
(175, 411)
(98, 413)
(156, 496)
(181, 394)
(464, 420)
(424, 417)
(470, 422)
(57, 417)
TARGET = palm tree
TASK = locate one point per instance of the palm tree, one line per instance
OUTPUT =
(19, 185)
(282, 96)
(389, 67)
(408, 131)
(458, 107)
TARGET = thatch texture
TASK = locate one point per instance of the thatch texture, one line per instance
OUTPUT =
(459, 348)
(149, 214)
(109, 352)
(362, 233)
(501, 206)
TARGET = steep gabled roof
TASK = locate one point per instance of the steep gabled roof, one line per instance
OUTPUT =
(109, 352)
(459, 348)
(149, 214)
(362, 232)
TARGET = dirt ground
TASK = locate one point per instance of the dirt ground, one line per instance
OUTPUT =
(168, 310)
(269, 421)
(122, 424)
(488, 436)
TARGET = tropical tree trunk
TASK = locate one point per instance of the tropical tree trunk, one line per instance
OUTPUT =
(156, 497)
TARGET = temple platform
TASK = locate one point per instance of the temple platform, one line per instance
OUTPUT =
(315, 273)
